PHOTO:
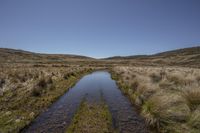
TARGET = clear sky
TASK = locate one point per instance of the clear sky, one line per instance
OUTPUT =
(99, 28)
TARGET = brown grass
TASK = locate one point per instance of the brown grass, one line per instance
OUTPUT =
(26, 91)
(167, 96)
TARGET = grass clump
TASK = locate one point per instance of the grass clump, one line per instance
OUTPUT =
(2, 82)
(176, 79)
(41, 86)
(198, 79)
(134, 85)
(68, 75)
(194, 120)
(163, 110)
(168, 97)
(155, 77)
(193, 97)
(91, 118)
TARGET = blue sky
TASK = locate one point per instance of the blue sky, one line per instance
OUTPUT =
(99, 28)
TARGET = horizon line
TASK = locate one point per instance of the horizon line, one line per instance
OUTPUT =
(73, 54)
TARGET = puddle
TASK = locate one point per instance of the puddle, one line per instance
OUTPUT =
(93, 88)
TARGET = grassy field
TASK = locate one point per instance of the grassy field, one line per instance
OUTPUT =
(92, 118)
(27, 91)
(168, 97)
(165, 86)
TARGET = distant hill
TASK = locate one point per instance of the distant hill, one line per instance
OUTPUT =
(180, 57)
(189, 57)
(125, 57)
(21, 56)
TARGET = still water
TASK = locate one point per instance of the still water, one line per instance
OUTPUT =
(92, 87)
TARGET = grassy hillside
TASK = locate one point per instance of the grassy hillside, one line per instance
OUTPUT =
(20, 56)
(189, 57)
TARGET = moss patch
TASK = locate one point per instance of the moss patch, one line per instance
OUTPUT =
(91, 118)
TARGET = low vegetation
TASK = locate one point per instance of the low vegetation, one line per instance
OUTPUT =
(91, 118)
(165, 86)
(27, 91)
(168, 97)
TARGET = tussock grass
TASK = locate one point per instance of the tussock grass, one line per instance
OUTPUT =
(26, 91)
(2, 82)
(194, 120)
(42, 86)
(161, 110)
(155, 77)
(176, 79)
(198, 79)
(193, 97)
(167, 96)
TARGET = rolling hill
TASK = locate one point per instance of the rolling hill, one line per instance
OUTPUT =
(21, 56)
(189, 57)
(180, 57)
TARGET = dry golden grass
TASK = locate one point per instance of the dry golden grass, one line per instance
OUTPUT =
(167, 95)
(194, 120)
(25, 91)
